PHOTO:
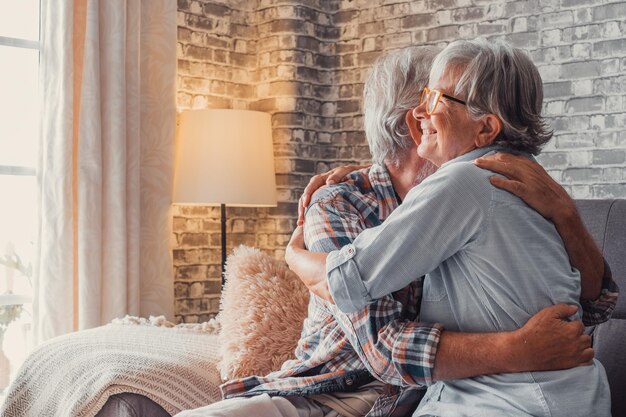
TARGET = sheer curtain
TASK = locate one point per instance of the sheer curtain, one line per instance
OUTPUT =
(108, 71)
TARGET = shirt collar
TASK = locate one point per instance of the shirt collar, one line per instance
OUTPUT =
(380, 181)
(475, 154)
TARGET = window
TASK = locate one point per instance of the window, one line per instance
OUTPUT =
(19, 124)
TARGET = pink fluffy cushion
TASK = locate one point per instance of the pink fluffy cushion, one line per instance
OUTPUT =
(262, 308)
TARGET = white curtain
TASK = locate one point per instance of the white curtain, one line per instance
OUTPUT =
(108, 72)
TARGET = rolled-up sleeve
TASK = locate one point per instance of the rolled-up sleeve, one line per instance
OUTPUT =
(344, 279)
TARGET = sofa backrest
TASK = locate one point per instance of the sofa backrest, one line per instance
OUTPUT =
(606, 221)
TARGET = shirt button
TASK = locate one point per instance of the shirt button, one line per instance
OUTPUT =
(350, 251)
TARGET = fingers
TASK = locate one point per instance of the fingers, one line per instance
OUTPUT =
(496, 163)
(297, 238)
(301, 207)
(315, 182)
(577, 327)
(587, 356)
(511, 166)
(514, 187)
(561, 311)
(336, 175)
(585, 341)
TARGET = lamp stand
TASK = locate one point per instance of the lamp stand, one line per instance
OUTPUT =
(223, 218)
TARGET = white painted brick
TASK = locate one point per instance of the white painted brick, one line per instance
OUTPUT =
(581, 50)
(613, 104)
(550, 72)
(583, 15)
(520, 24)
(611, 30)
(443, 17)
(614, 174)
(550, 146)
(609, 191)
(580, 192)
(582, 87)
(418, 6)
(551, 37)
(611, 140)
(548, 6)
(579, 158)
(496, 11)
(609, 66)
(554, 107)
(241, 46)
(468, 31)
(369, 44)
(597, 122)
(564, 18)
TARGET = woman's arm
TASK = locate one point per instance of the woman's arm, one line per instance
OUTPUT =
(436, 220)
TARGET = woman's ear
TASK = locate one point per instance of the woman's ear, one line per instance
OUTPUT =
(414, 127)
(491, 126)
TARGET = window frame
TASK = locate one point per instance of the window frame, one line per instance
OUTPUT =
(11, 42)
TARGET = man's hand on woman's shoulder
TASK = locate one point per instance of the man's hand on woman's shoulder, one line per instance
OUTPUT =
(333, 176)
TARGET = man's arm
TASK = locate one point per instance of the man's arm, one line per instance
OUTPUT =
(529, 181)
(546, 342)
(400, 351)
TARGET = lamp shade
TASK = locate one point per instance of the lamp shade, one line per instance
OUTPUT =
(225, 157)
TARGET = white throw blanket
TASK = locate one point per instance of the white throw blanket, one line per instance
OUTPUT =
(75, 374)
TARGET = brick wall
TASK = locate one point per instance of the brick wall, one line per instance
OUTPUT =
(305, 62)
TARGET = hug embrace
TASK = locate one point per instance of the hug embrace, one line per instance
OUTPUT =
(438, 287)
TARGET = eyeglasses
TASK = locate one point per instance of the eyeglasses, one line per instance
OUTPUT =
(432, 97)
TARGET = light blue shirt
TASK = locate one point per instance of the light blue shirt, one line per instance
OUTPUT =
(491, 262)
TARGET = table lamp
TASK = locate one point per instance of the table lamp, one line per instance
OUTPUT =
(225, 157)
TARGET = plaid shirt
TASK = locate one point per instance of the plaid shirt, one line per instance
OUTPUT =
(339, 351)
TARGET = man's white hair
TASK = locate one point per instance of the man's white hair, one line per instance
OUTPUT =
(393, 87)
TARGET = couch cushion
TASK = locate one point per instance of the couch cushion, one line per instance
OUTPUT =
(606, 221)
(609, 345)
(615, 251)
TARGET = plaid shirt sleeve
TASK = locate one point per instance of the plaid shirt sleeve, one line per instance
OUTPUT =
(600, 310)
(394, 349)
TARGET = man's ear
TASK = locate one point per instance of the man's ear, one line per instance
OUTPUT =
(491, 126)
(414, 127)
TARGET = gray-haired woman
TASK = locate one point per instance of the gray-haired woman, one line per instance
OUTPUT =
(490, 261)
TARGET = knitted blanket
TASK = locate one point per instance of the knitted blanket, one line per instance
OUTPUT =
(74, 375)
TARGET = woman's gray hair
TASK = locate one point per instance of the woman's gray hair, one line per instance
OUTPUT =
(496, 78)
(393, 87)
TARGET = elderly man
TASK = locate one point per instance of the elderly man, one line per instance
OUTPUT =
(490, 261)
(328, 376)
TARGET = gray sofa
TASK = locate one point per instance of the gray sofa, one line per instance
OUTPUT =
(606, 220)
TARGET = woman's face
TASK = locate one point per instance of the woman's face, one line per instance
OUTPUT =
(449, 131)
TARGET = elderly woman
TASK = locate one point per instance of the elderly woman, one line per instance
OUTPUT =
(490, 261)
